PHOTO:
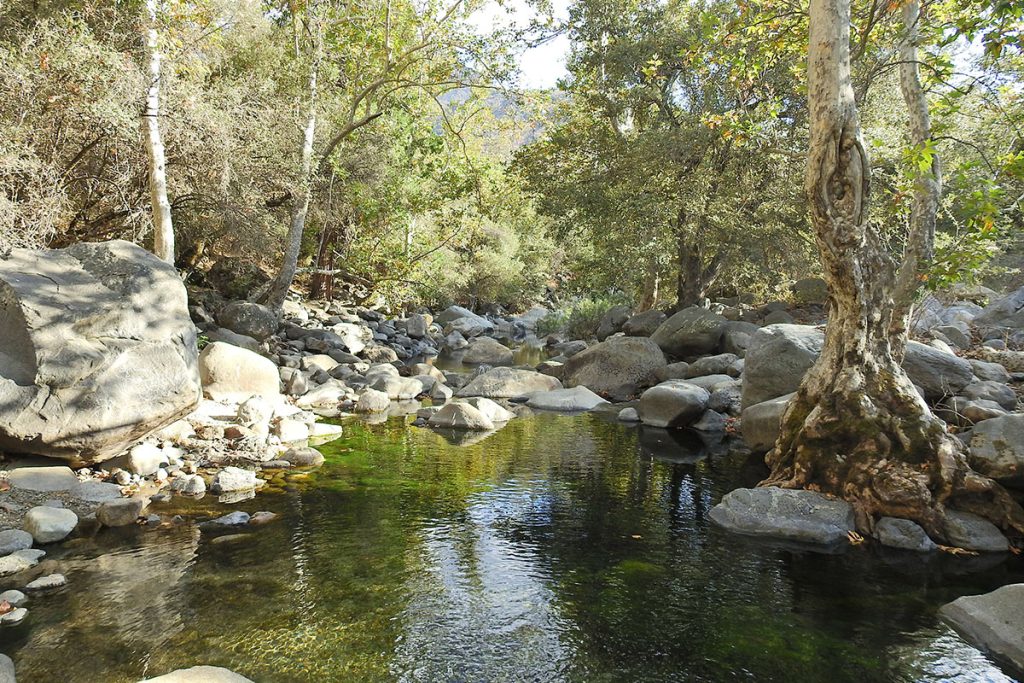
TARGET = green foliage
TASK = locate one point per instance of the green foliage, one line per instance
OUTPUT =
(581, 319)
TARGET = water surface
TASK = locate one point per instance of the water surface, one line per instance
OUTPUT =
(557, 549)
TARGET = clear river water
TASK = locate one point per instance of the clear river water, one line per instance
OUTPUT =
(556, 549)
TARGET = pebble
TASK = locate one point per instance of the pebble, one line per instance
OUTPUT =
(47, 582)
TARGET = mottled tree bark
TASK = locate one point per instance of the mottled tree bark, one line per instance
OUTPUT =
(857, 427)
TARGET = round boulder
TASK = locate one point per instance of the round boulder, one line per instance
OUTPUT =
(618, 367)
(674, 403)
(249, 319)
(692, 331)
(234, 374)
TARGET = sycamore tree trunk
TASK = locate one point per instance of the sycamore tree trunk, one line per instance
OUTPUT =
(300, 206)
(857, 428)
(697, 272)
(652, 283)
(163, 230)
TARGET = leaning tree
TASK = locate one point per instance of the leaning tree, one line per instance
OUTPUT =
(857, 428)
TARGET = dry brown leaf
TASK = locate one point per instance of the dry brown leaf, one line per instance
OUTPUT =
(953, 550)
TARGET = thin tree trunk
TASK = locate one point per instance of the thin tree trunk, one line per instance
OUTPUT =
(321, 285)
(300, 207)
(857, 427)
(163, 229)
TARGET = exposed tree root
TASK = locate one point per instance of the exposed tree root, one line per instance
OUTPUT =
(866, 436)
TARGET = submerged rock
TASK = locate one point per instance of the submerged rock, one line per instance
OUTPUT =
(993, 622)
(790, 514)
(97, 350)
(200, 674)
(236, 518)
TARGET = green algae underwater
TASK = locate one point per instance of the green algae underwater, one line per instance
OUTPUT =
(560, 548)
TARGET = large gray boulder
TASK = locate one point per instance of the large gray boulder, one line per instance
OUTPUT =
(777, 359)
(997, 449)
(993, 622)
(674, 403)
(1006, 312)
(780, 355)
(249, 319)
(692, 331)
(486, 350)
(762, 422)
(737, 335)
(789, 514)
(904, 534)
(617, 367)
(937, 373)
(454, 313)
(508, 383)
(612, 321)
(644, 324)
(96, 350)
(969, 531)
